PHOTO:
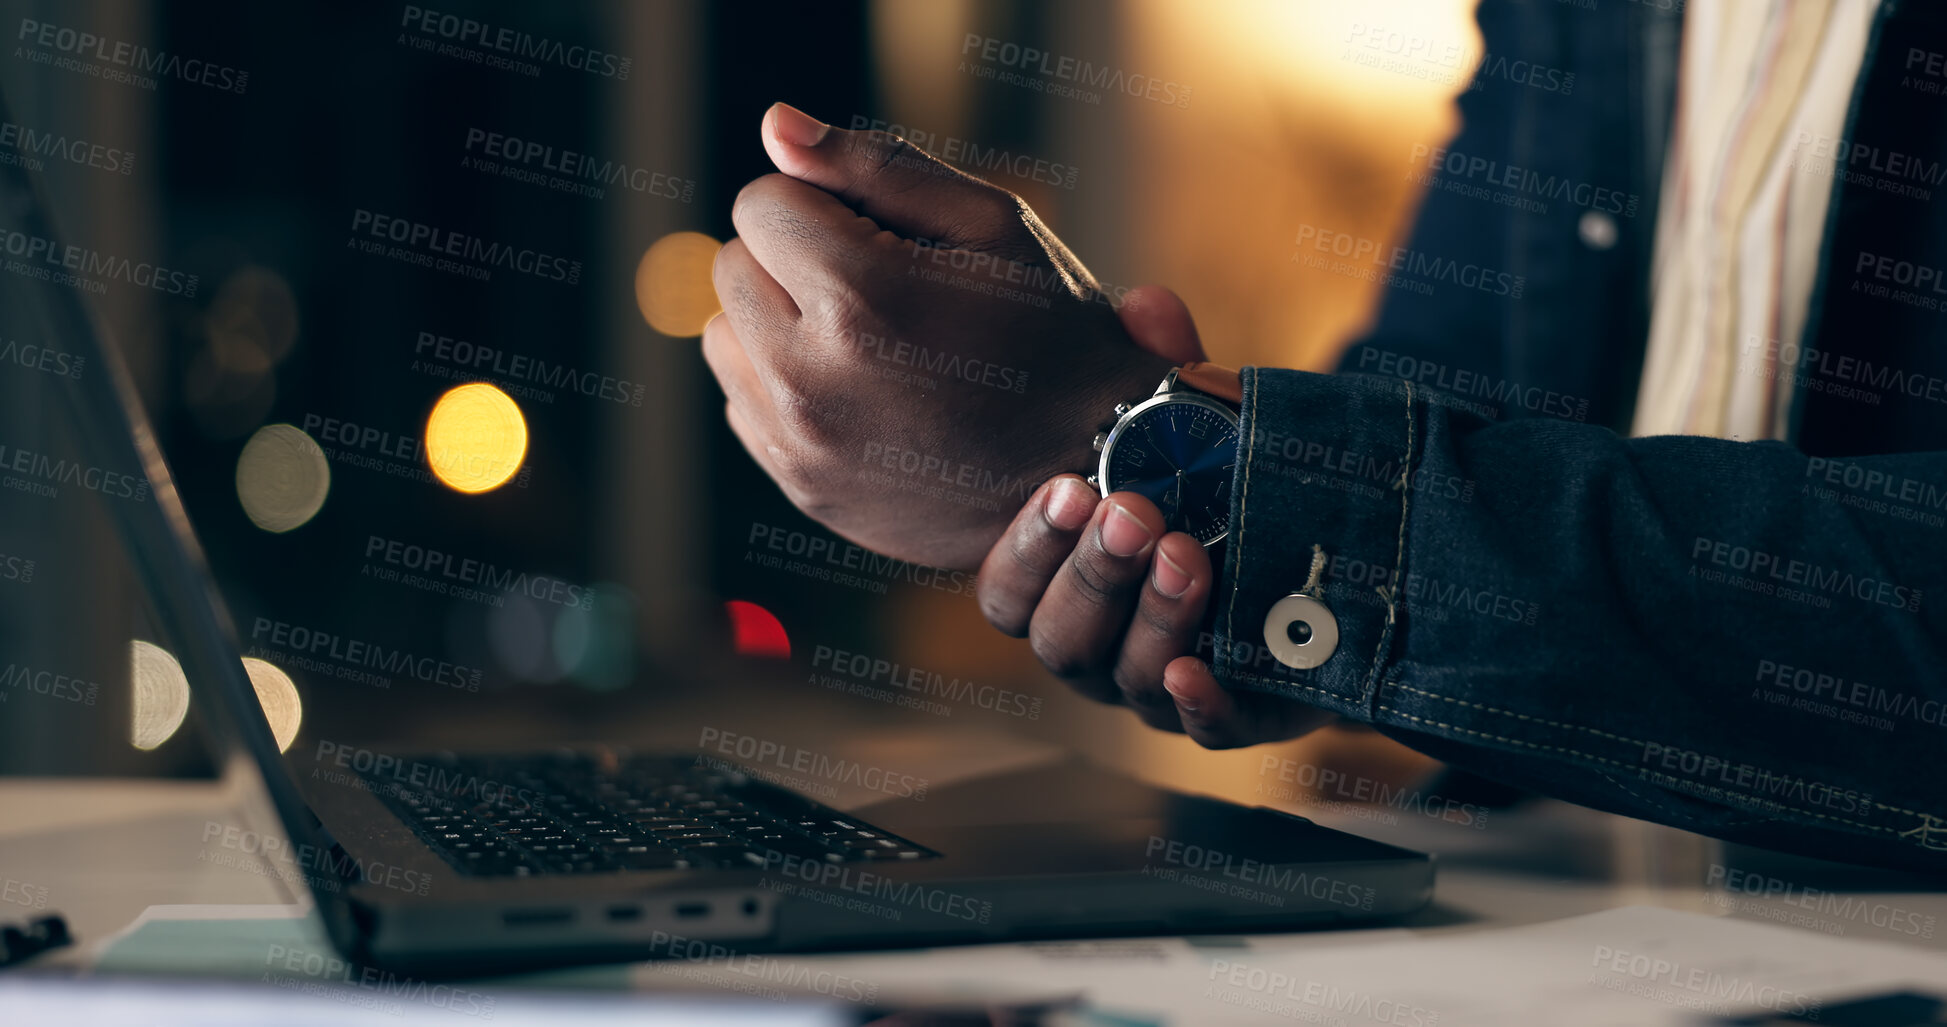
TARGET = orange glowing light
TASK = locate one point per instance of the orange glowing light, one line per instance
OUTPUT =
(475, 438)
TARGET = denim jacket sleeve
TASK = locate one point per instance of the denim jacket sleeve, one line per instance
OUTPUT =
(1728, 637)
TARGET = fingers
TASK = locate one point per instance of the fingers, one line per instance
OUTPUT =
(896, 184)
(1159, 322)
(1032, 550)
(1168, 614)
(1080, 621)
(753, 299)
(1221, 719)
(814, 246)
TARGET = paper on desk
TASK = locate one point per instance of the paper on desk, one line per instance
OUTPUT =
(1618, 968)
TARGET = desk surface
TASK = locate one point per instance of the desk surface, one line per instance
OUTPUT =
(103, 851)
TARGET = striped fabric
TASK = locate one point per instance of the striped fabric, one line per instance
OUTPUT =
(1761, 101)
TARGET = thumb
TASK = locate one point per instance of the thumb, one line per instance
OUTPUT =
(1160, 323)
(902, 187)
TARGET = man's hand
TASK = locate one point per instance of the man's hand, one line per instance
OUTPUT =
(905, 348)
(1113, 606)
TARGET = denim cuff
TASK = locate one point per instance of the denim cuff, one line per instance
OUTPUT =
(1322, 461)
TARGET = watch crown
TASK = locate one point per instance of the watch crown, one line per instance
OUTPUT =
(1092, 482)
(1121, 408)
(1101, 439)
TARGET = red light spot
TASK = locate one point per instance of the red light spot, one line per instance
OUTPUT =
(757, 631)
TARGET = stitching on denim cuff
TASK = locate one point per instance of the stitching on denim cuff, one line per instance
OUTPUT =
(1369, 691)
(1624, 766)
(1599, 734)
(1243, 508)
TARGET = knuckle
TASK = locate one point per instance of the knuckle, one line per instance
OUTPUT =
(1093, 585)
(1061, 659)
(1002, 610)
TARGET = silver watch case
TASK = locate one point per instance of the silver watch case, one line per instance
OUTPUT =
(1168, 392)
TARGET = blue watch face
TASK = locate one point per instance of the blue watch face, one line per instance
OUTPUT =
(1178, 454)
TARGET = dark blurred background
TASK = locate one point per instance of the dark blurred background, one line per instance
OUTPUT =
(642, 533)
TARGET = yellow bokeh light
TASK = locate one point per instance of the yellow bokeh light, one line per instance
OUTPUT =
(673, 286)
(161, 697)
(475, 438)
(282, 478)
(277, 694)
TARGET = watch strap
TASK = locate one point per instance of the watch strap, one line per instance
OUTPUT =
(1214, 379)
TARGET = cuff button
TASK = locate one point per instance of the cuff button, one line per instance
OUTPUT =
(1301, 631)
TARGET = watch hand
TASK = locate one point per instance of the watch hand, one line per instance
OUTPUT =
(1150, 433)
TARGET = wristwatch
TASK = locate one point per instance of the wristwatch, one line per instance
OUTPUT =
(1178, 449)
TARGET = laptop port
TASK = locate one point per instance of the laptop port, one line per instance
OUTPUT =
(692, 910)
(624, 914)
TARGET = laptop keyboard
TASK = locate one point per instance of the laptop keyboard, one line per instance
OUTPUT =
(582, 814)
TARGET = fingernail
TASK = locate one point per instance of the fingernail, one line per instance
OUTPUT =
(1122, 533)
(1169, 579)
(1069, 504)
(796, 127)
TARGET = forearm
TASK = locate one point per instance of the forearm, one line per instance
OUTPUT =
(1629, 623)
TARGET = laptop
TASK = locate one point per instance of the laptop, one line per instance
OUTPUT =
(439, 863)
